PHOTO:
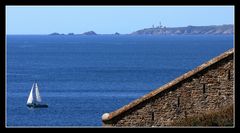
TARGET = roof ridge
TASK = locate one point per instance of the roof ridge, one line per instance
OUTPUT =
(111, 115)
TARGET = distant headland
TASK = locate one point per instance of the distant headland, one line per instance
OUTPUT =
(226, 29)
(189, 30)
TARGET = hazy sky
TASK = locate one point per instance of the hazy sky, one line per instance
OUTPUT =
(110, 19)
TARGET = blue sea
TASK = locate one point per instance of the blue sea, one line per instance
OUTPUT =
(82, 77)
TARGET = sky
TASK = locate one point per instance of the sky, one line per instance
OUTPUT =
(110, 19)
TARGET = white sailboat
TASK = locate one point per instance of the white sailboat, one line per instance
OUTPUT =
(34, 98)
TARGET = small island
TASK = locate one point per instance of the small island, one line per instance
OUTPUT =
(71, 34)
(55, 33)
(117, 34)
(89, 33)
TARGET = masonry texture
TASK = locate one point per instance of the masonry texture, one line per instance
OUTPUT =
(209, 87)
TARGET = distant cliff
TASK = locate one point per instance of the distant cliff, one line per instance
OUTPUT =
(189, 30)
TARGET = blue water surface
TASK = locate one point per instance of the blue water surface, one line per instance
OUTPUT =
(81, 77)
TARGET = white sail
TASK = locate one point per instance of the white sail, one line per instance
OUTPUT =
(30, 97)
(38, 97)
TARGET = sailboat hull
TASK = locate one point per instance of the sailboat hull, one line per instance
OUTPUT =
(37, 105)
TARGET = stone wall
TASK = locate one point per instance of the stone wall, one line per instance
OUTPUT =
(209, 87)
